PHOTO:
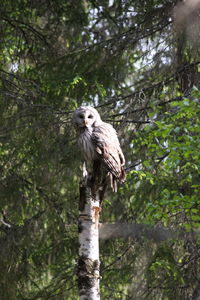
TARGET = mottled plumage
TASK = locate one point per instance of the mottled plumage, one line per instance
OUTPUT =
(100, 146)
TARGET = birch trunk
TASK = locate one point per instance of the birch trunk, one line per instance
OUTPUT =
(88, 264)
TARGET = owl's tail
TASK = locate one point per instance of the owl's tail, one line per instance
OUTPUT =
(113, 183)
(114, 180)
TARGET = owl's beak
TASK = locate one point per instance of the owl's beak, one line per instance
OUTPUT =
(85, 123)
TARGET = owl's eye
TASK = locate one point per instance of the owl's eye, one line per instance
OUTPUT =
(90, 116)
(81, 116)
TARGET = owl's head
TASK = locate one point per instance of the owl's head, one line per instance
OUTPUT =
(86, 116)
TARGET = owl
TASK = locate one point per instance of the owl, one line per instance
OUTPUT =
(101, 150)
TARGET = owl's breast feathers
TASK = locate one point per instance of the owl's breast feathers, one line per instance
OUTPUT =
(86, 145)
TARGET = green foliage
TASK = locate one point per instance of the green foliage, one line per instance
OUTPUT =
(168, 150)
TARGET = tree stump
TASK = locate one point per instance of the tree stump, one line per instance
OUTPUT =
(88, 226)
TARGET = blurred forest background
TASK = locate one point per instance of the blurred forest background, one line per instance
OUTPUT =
(138, 63)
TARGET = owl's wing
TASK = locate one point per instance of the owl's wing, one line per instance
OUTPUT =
(107, 146)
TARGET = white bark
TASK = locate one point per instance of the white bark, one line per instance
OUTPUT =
(88, 266)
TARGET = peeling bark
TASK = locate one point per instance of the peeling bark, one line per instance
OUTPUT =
(88, 264)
